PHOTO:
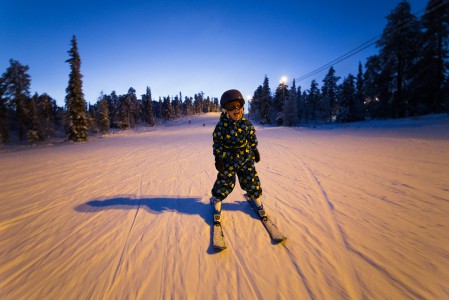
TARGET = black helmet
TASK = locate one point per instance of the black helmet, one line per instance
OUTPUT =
(231, 95)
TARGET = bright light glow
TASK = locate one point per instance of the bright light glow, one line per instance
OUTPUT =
(284, 79)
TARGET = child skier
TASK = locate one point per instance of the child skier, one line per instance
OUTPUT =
(235, 151)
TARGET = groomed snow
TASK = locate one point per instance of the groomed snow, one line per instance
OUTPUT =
(365, 209)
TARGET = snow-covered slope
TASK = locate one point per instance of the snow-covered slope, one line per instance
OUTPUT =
(365, 209)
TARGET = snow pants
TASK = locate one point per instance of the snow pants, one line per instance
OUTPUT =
(242, 165)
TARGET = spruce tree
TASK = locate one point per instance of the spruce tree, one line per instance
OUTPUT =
(168, 112)
(265, 102)
(399, 50)
(300, 104)
(290, 107)
(4, 130)
(371, 79)
(103, 112)
(133, 107)
(347, 100)
(446, 96)
(16, 85)
(433, 66)
(279, 99)
(149, 108)
(188, 106)
(34, 132)
(77, 119)
(255, 104)
(313, 101)
(47, 110)
(360, 95)
(112, 107)
(329, 94)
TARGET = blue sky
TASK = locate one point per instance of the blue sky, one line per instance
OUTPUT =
(186, 46)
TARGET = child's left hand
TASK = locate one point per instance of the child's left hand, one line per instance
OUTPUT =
(256, 155)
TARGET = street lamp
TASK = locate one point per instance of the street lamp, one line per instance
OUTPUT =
(284, 80)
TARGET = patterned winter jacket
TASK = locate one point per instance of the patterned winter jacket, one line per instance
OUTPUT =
(232, 136)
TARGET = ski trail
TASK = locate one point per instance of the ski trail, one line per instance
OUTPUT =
(304, 280)
(139, 196)
(325, 209)
(246, 273)
(119, 264)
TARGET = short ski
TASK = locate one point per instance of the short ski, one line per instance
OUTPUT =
(272, 229)
(218, 239)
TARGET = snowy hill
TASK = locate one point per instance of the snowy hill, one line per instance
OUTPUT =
(365, 209)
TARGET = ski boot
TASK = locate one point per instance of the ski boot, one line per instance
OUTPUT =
(216, 209)
(260, 210)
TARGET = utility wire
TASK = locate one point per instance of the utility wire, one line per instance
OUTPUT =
(362, 47)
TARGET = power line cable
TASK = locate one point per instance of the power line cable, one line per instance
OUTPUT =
(362, 47)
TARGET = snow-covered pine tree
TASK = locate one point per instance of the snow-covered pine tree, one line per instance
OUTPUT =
(92, 115)
(313, 101)
(290, 107)
(432, 68)
(216, 104)
(207, 105)
(254, 105)
(279, 99)
(265, 102)
(299, 104)
(167, 110)
(16, 85)
(47, 110)
(399, 49)
(329, 94)
(188, 106)
(112, 106)
(128, 110)
(347, 99)
(177, 107)
(103, 112)
(134, 107)
(4, 130)
(77, 119)
(446, 96)
(360, 109)
(148, 107)
(34, 132)
(198, 102)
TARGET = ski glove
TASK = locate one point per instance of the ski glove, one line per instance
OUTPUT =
(256, 155)
(219, 164)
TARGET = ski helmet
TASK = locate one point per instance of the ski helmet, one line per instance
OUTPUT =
(231, 95)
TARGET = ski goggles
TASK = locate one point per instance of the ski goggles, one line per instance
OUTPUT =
(232, 107)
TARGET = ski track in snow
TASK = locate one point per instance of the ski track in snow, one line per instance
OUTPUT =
(324, 205)
(128, 216)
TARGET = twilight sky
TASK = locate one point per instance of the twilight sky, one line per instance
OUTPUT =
(187, 46)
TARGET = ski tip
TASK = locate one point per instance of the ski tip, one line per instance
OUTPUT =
(219, 248)
(280, 239)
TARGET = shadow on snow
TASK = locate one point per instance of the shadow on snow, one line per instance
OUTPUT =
(159, 205)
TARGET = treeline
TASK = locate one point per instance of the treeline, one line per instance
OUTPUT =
(38, 117)
(408, 77)
(125, 111)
